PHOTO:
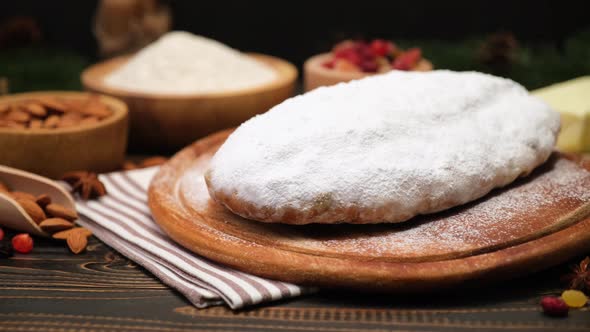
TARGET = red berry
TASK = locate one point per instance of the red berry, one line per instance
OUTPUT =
(554, 306)
(381, 47)
(408, 59)
(369, 66)
(349, 55)
(363, 49)
(1, 234)
(328, 64)
(22, 243)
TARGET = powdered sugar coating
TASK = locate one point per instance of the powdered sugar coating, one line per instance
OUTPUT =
(389, 147)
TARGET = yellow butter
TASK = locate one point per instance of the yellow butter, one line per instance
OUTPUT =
(572, 100)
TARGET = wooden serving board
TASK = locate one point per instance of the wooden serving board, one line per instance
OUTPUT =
(535, 223)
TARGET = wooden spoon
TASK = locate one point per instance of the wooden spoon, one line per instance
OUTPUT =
(12, 215)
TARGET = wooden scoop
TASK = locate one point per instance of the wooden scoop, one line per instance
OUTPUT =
(12, 215)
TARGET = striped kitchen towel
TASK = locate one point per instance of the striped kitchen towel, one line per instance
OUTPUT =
(122, 220)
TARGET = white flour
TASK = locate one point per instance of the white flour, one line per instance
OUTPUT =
(402, 143)
(182, 63)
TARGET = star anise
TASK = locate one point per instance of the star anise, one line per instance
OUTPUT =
(579, 278)
(85, 184)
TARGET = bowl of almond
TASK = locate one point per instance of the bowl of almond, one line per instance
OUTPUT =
(50, 133)
(355, 59)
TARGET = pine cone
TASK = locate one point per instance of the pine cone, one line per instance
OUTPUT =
(499, 50)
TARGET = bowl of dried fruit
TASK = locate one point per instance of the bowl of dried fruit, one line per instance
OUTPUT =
(50, 133)
(356, 59)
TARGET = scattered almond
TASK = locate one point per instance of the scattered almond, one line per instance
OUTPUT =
(60, 211)
(63, 235)
(32, 209)
(77, 241)
(60, 223)
(23, 195)
(52, 225)
(43, 200)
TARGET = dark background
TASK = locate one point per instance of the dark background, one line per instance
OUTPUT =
(553, 36)
(297, 29)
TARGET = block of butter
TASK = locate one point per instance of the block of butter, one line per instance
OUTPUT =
(572, 100)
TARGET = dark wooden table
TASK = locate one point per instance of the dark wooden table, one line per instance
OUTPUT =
(99, 290)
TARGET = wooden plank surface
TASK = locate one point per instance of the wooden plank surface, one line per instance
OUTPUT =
(99, 290)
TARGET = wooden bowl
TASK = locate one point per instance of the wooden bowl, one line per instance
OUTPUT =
(98, 147)
(316, 75)
(165, 122)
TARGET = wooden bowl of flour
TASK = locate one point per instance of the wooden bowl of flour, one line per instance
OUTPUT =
(167, 122)
(97, 147)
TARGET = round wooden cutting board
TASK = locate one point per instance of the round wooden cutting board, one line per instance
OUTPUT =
(537, 222)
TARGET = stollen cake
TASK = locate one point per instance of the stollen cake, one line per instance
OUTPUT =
(382, 149)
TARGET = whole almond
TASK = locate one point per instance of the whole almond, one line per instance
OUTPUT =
(63, 235)
(32, 209)
(43, 200)
(52, 225)
(75, 105)
(77, 241)
(51, 122)
(70, 119)
(22, 195)
(60, 211)
(53, 103)
(89, 120)
(11, 124)
(35, 109)
(18, 116)
(95, 107)
(4, 108)
(3, 187)
(36, 124)
(72, 116)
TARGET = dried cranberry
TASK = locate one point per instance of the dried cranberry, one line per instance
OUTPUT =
(408, 59)
(328, 64)
(554, 306)
(369, 66)
(364, 50)
(22, 243)
(1, 234)
(349, 55)
(381, 47)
